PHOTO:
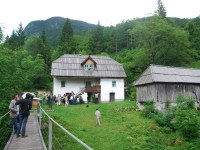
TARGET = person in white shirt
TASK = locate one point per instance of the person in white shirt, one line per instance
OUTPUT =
(66, 100)
(97, 114)
(96, 98)
(58, 99)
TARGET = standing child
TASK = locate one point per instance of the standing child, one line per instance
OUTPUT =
(66, 100)
(97, 114)
(58, 99)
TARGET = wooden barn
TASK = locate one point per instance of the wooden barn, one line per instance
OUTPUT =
(164, 83)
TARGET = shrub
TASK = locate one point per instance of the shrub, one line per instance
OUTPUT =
(131, 93)
(165, 130)
(149, 109)
(165, 119)
(183, 118)
(167, 104)
(184, 102)
(187, 122)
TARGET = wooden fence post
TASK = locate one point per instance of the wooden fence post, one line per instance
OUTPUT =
(40, 118)
(50, 134)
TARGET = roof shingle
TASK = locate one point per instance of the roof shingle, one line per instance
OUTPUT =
(70, 65)
(156, 73)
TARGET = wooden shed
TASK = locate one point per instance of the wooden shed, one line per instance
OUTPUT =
(164, 83)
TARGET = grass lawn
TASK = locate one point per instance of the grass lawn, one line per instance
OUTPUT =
(122, 128)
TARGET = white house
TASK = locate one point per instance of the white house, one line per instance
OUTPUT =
(87, 75)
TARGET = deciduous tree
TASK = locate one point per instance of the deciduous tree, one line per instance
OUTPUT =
(164, 43)
(193, 27)
(18, 71)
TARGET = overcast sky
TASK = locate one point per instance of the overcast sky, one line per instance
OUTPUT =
(108, 12)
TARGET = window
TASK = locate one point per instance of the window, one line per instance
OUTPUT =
(88, 83)
(62, 83)
(88, 67)
(113, 83)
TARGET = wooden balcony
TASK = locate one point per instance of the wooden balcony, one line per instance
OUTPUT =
(93, 89)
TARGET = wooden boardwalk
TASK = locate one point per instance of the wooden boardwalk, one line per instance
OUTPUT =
(34, 140)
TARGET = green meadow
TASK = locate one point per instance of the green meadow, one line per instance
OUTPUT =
(122, 128)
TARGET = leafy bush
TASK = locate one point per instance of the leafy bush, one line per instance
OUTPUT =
(149, 109)
(184, 102)
(183, 118)
(5, 128)
(131, 93)
(187, 122)
(165, 130)
(165, 119)
(186, 117)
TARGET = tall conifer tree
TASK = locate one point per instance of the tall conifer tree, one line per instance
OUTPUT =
(1, 34)
(96, 40)
(161, 9)
(20, 35)
(45, 50)
(65, 44)
(17, 38)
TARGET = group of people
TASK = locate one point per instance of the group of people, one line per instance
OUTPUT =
(66, 99)
(19, 113)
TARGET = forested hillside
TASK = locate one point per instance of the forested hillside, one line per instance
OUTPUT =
(53, 27)
(27, 53)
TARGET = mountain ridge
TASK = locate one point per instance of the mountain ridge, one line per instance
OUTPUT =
(53, 27)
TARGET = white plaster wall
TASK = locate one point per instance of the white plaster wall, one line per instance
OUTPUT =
(75, 85)
(71, 84)
(106, 89)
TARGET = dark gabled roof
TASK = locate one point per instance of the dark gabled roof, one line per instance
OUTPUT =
(156, 73)
(70, 65)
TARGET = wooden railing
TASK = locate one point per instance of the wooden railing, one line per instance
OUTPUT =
(51, 121)
(80, 92)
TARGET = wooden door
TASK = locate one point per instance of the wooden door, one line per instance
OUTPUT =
(112, 97)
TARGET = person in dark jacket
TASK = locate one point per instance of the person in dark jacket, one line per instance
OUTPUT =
(24, 112)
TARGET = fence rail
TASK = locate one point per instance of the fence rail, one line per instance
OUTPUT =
(4, 115)
(5, 129)
(52, 121)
